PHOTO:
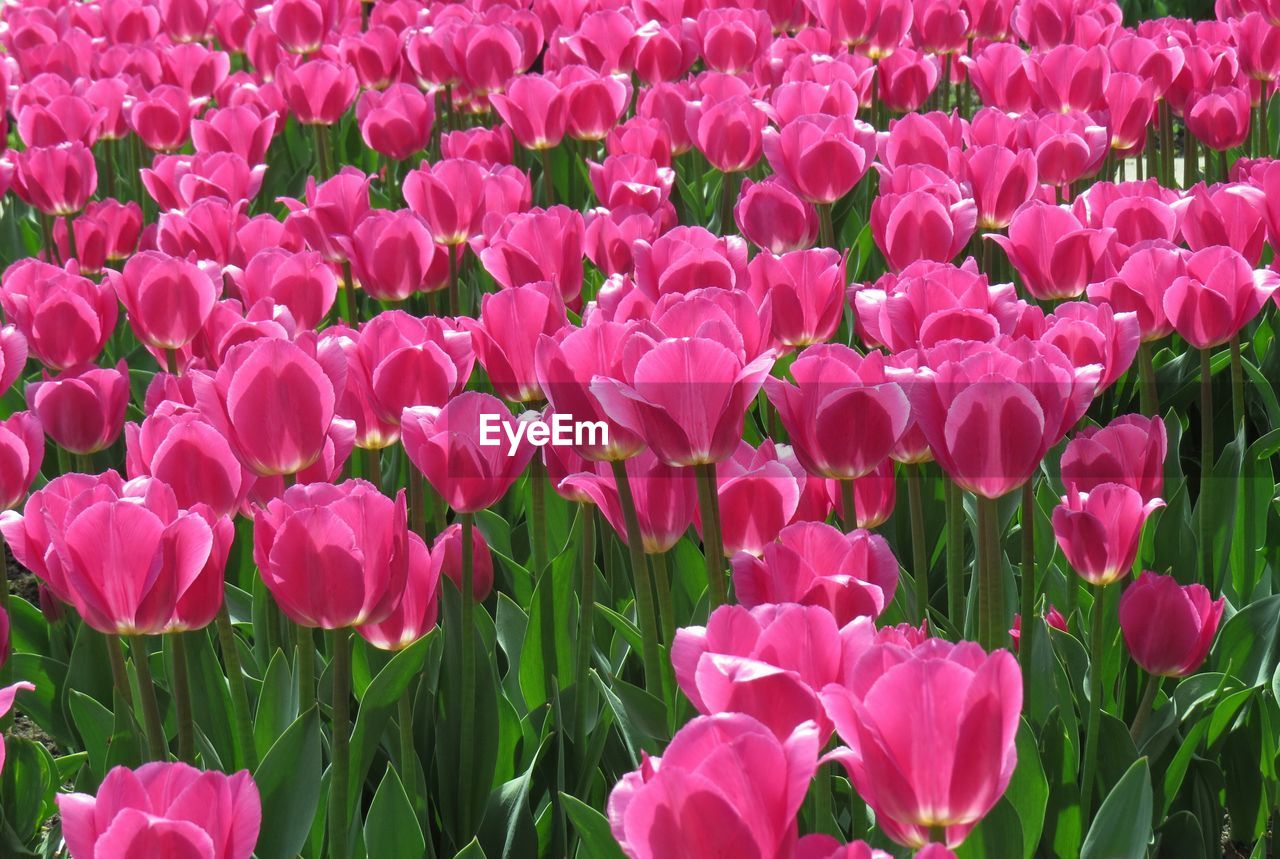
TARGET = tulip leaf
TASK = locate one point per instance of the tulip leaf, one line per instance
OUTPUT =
(210, 697)
(593, 829)
(1248, 643)
(1122, 827)
(1059, 752)
(29, 781)
(998, 836)
(277, 703)
(96, 724)
(1028, 790)
(471, 851)
(391, 830)
(547, 651)
(288, 780)
(1176, 771)
(508, 828)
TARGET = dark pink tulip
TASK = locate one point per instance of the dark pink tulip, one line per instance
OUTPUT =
(510, 324)
(445, 195)
(1257, 42)
(768, 662)
(274, 401)
(731, 39)
(21, 454)
(693, 800)
(730, 318)
(609, 237)
(176, 445)
(874, 496)
(433, 53)
(333, 556)
(798, 98)
(593, 102)
(162, 119)
(538, 245)
(728, 131)
(107, 231)
(921, 225)
(665, 499)
(1069, 77)
(13, 352)
(1052, 617)
(1218, 296)
(1068, 147)
(1220, 119)
(197, 70)
(688, 258)
(167, 299)
(418, 606)
(822, 157)
(1231, 215)
(489, 146)
(850, 575)
(446, 560)
(668, 103)
(773, 217)
(374, 54)
(642, 136)
(302, 282)
(566, 361)
(1137, 211)
(939, 26)
(801, 292)
(1099, 530)
(164, 809)
(56, 180)
(330, 212)
(832, 384)
(243, 130)
(1140, 285)
(685, 397)
(1129, 450)
(318, 91)
(395, 122)
(1054, 254)
(631, 181)
(464, 450)
(66, 319)
(108, 95)
(391, 254)
(82, 409)
(535, 108)
(826, 847)
(493, 54)
(1168, 627)
(1030, 391)
(906, 79)
(1094, 334)
(757, 497)
(1131, 103)
(301, 25)
(187, 20)
(1000, 73)
(62, 119)
(921, 767)
(1002, 180)
(931, 139)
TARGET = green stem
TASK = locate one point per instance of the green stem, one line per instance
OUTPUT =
(1206, 459)
(1237, 384)
(1149, 391)
(408, 749)
(848, 504)
(120, 680)
(666, 607)
(1029, 585)
(822, 804)
(551, 620)
(645, 614)
(339, 814)
(548, 183)
(467, 658)
(990, 581)
(586, 627)
(826, 230)
(919, 551)
(239, 695)
(304, 648)
(728, 195)
(955, 557)
(1145, 706)
(712, 552)
(157, 743)
(1095, 704)
(454, 299)
(182, 701)
(373, 467)
(320, 140)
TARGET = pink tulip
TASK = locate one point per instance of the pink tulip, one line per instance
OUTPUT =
(593, 102)
(1131, 104)
(826, 847)
(1052, 617)
(768, 662)
(921, 225)
(463, 449)
(66, 319)
(274, 401)
(758, 496)
(446, 560)
(167, 299)
(1029, 391)
(63, 119)
(851, 575)
(665, 499)
(535, 109)
(243, 130)
(906, 78)
(507, 332)
(694, 801)
(176, 445)
(1053, 253)
(1099, 530)
(774, 218)
(689, 258)
(874, 496)
(1219, 294)
(1002, 181)
(685, 397)
(1220, 119)
(639, 135)
(301, 282)
(1130, 450)
(445, 195)
(1168, 627)
(1231, 215)
(1094, 334)
(832, 384)
(164, 809)
(375, 55)
(1140, 285)
(823, 157)
(318, 91)
(1068, 147)
(392, 254)
(82, 409)
(333, 556)
(13, 349)
(330, 212)
(1069, 77)
(728, 131)
(21, 454)
(489, 146)
(107, 230)
(802, 293)
(538, 245)
(1000, 74)
(923, 767)
(162, 118)
(56, 180)
(395, 122)
(730, 318)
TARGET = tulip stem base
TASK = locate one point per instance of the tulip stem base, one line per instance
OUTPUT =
(849, 505)
(586, 626)
(304, 650)
(339, 814)
(467, 661)
(1145, 707)
(239, 695)
(1237, 384)
(709, 508)
(1148, 391)
(1206, 463)
(641, 580)
(1096, 644)
(1029, 586)
(991, 626)
(919, 551)
(955, 557)
(182, 700)
(157, 743)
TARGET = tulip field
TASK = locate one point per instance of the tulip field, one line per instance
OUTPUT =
(661, 429)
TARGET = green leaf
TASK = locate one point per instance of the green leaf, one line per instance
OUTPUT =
(998, 836)
(1028, 790)
(391, 830)
(548, 638)
(29, 781)
(1122, 827)
(277, 703)
(471, 851)
(95, 724)
(593, 829)
(289, 781)
(508, 828)
(1247, 644)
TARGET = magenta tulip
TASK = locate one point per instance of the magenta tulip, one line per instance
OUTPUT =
(21, 454)
(417, 608)
(82, 409)
(1218, 296)
(1099, 530)
(1130, 450)
(1168, 627)
(65, 318)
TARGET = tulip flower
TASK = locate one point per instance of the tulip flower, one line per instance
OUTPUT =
(826, 847)
(693, 800)
(1231, 215)
(1053, 253)
(243, 130)
(1000, 74)
(1052, 617)
(395, 122)
(851, 575)
(664, 499)
(417, 608)
(330, 212)
(7, 696)
(82, 409)
(593, 102)
(333, 556)
(534, 107)
(489, 146)
(507, 332)
(921, 225)
(13, 351)
(1002, 181)
(756, 498)
(1099, 531)
(318, 91)
(538, 245)
(391, 254)
(1219, 294)
(274, 401)
(906, 78)
(730, 318)
(464, 449)
(375, 55)
(1140, 284)
(66, 319)
(167, 299)
(1070, 77)
(446, 560)
(874, 497)
(65, 118)
(728, 131)
(920, 767)
(56, 180)
(107, 230)
(1130, 450)
(1220, 118)
(773, 217)
(685, 397)
(1168, 627)
(822, 157)
(161, 808)
(768, 662)
(162, 118)
(1094, 334)
(445, 196)
(688, 258)
(176, 445)
(21, 452)
(302, 282)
